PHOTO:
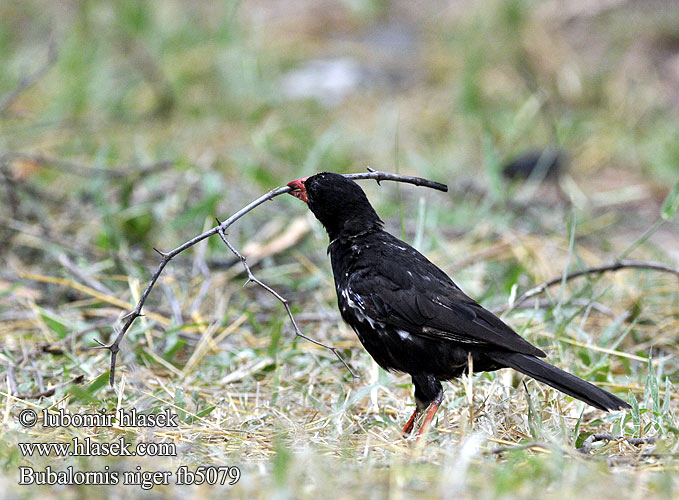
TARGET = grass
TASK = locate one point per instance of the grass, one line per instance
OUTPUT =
(199, 86)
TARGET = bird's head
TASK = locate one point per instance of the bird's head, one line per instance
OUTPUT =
(337, 202)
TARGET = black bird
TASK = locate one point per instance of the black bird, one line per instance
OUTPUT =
(409, 315)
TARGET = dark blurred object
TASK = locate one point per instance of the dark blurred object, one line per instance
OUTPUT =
(547, 164)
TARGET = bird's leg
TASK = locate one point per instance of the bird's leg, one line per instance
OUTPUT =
(428, 397)
(431, 411)
(410, 424)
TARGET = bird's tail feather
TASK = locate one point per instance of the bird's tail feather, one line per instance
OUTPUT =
(560, 380)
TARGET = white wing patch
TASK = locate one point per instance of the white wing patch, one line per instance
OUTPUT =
(355, 302)
(403, 334)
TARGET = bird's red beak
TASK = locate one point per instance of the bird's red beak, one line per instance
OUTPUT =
(298, 189)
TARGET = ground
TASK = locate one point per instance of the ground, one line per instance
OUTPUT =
(130, 125)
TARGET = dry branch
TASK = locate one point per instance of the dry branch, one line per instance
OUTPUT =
(114, 347)
(622, 264)
(385, 176)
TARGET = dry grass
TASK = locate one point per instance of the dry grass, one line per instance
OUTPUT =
(103, 159)
(247, 397)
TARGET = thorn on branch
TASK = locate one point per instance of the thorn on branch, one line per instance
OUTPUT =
(372, 170)
(101, 344)
(379, 176)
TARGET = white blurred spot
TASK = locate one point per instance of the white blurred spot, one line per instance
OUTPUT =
(328, 80)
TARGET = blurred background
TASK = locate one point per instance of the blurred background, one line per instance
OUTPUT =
(238, 97)
(127, 125)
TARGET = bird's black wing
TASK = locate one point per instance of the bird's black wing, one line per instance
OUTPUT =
(402, 288)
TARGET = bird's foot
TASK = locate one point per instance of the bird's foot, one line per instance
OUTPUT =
(426, 423)
(431, 411)
(408, 429)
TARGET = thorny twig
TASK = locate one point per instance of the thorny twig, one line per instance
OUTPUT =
(114, 347)
(28, 81)
(284, 301)
(622, 264)
(379, 176)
